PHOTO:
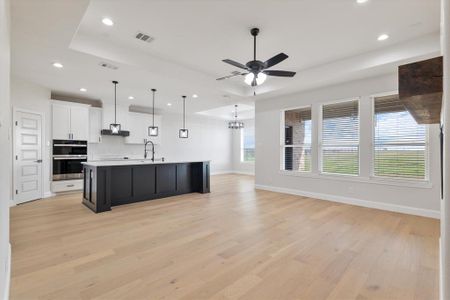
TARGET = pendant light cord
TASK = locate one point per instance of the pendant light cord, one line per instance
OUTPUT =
(184, 112)
(153, 108)
(115, 102)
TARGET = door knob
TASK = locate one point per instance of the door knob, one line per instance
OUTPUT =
(38, 161)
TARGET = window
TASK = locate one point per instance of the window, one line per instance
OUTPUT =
(400, 144)
(297, 140)
(340, 138)
(248, 144)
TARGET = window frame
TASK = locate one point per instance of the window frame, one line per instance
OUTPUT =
(372, 147)
(282, 139)
(320, 135)
(241, 145)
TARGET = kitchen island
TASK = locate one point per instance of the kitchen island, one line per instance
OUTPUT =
(111, 183)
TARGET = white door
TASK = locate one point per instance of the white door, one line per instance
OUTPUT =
(79, 123)
(27, 156)
(61, 122)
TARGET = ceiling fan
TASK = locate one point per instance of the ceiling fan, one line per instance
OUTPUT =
(256, 71)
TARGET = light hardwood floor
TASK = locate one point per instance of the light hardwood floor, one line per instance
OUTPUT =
(235, 243)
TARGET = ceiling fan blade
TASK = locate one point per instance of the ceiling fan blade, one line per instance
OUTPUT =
(235, 63)
(275, 60)
(232, 75)
(279, 73)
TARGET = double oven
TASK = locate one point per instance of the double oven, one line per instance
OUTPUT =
(68, 156)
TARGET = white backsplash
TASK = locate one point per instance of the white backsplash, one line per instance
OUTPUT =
(114, 147)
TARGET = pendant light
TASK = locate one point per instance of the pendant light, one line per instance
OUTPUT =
(235, 124)
(184, 133)
(153, 130)
(115, 127)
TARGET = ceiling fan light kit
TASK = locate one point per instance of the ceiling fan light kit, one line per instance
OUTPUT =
(256, 70)
(153, 130)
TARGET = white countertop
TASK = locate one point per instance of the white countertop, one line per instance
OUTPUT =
(130, 162)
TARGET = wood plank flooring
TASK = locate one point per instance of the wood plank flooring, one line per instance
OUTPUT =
(235, 243)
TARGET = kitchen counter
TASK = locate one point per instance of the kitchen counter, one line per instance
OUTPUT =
(117, 182)
(126, 162)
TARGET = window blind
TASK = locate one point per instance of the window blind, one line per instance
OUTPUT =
(340, 138)
(248, 144)
(399, 142)
(297, 139)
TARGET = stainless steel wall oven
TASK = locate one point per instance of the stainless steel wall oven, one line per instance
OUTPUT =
(67, 158)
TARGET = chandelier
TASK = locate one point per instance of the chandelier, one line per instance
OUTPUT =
(235, 124)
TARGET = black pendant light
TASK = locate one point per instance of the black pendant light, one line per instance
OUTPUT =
(235, 124)
(184, 133)
(115, 127)
(153, 130)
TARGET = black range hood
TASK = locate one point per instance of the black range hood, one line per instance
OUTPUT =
(120, 133)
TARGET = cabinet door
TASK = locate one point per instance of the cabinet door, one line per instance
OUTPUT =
(95, 125)
(79, 123)
(61, 122)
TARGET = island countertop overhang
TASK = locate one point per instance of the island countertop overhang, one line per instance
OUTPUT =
(136, 162)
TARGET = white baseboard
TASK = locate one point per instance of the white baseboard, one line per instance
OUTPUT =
(441, 272)
(8, 274)
(232, 172)
(221, 172)
(347, 200)
(243, 173)
(48, 194)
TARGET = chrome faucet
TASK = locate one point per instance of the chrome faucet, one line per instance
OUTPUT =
(153, 150)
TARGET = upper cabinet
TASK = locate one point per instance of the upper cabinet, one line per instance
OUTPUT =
(138, 124)
(70, 122)
(95, 125)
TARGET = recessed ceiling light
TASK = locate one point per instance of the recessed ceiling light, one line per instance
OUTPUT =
(169, 104)
(107, 22)
(83, 90)
(57, 65)
(130, 97)
(195, 96)
(361, 1)
(383, 37)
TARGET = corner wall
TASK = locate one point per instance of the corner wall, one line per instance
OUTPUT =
(5, 149)
(420, 200)
(445, 212)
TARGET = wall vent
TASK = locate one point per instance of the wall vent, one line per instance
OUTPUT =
(144, 37)
(107, 65)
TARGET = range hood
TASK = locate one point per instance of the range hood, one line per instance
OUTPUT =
(120, 133)
(420, 89)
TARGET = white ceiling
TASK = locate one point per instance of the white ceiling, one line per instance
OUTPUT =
(328, 41)
(227, 112)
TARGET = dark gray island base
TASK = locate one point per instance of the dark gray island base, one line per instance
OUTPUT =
(116, 183)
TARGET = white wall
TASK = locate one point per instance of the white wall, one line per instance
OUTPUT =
(209, 139)
(238, 165)
(32, 97)
(445, 213)
(423, 200)
(5, 149)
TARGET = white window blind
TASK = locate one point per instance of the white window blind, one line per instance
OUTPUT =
(400, 144)
(340, 138)
(248, 144)
(296, 147)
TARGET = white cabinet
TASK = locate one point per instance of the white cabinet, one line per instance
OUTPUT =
(95, 125)
(61, 122)
(138, 124)
(70, 122)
